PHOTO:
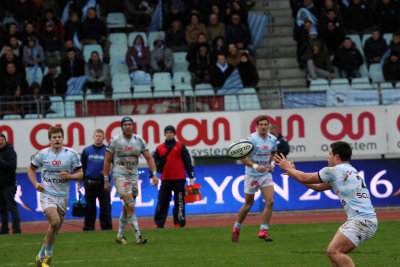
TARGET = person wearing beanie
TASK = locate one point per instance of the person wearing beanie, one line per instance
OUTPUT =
(8, 188)
(172, 159)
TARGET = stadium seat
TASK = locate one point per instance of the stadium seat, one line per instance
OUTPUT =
(231, 102)
(360, 80)
(7, 20)
(121, 95)
(31, 72)
(117, 53)
(152, 37)
(248, 91)
(12, 117)
(185, 88)
(118, 38)
(388, 37)
(57, 106)
(365, 38)
(363, 70)
(383, 85)
(133, 35)
(357, 41)
(33, 116)
(375, 73)
(248, 102)
(70, 104)
(121, 83)
(163, 93)
(180, 62)
(203, 89)
(88, 49)
(319, 84)
(162, 81)
(182, 77)
(96, 97)
(119, 69)
(116, 20)
(361, 85)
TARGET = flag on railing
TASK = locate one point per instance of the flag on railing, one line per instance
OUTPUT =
(75, 85)
(65, 14)
(156, 19)
(232, 85)
(75, 39)
(257, 25)
(89, 4)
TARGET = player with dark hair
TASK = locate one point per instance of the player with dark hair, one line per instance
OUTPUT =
(57, 163)
(124, 151)
(257, 177)
(354, 195)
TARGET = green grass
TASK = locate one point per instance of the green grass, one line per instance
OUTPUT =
(293, 245)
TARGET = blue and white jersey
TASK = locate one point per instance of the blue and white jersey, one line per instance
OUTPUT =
(351, 189)
(263, 147)
(126, 153)
(52, 163)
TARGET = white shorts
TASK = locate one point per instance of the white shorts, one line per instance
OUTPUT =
(359, 230)
(254, 182)
(126, 185)
(60, 203)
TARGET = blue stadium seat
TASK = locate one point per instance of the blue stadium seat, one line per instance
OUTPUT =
(133, 35)
(180, 62)
(152, 36)
(116, 20)
(118, 53)
(163, 93)
(376, 73)
(384, 85)
(357, 41)
(363, 70)
(57, 106)
(12, 117)
(249, 102)
(70, 104)
(118, 38)
(121, 83)
(30, 72)
(319, 84)
(231, 102)
(203, 89)
(119, 68)
(88, 49)
(365, 38)
(162, 81)
(388, 37)
(121, 95)
(185, 88)
(181, 77)
(33, 116)
(96, 97)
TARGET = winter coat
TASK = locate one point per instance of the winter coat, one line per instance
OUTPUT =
(348, 59)
(54, 85)
(248, 74)
(28, 55)
(358, 17)
(321, 59)
(193, 30)
(391, 70)
(162, 57)
(8, 165)
(215, 30)
(96, 72)
(217, 77)
(238, 34)
(374, 48)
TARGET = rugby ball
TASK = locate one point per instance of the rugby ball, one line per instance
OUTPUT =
(240, 149)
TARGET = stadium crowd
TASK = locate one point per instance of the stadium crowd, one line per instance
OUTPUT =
(347, 35)
(33, 38)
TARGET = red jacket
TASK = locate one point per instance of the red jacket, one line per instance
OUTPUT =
(174, 167)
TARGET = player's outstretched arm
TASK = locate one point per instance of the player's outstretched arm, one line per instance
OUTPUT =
(302, 177)
(152, 166)
(248, 162)
(319, 187)
(32, 177)
(106, 170)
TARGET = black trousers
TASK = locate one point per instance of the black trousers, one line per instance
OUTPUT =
(164, 197)
(91, 193)
(7, 204)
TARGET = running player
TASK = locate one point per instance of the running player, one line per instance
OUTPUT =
(57, 163)
(343, 178)
(256, 177)
(124, 151)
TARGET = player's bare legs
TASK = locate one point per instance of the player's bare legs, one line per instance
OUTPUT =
(337, 249)
(268, 194)
(248, 203)
(55, 223)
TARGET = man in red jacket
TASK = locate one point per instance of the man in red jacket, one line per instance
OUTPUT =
(172, 159)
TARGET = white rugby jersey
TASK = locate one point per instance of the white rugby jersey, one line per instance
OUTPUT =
(262, 151)
(351, 189)
(126, 153)
(52, 163)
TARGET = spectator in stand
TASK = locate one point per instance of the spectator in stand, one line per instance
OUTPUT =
(24, 11)
(358, 18)
(52, 44)
(138, 56)
(36, 102)
(53, 5)
(58, 27)
(375, 47)
(218, 47)
(194, 47)
(215, 28)
(391, 68)
(54, 82)
(330, 5)
(237, 7)
(98, 73)
(138, 12)
(162, 58)
(72, 66)
(29, 31)
(69, 44)
(193, 29)
(234, 55)
(11, 80)
(199, 66)
(348, 59)
(395, 43)
(11, 31)
(94, 31)
(239, 33)
(173, 15)
(220, 71)
(73, 25)
(215, 9)
(175, 37)
(15, 45)
(248, 72)
(302, 36)
(387, 16)
(332, 32)
(318, 63)
(33, 53)
(9, 57)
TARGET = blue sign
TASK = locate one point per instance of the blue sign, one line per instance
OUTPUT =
(222, 191)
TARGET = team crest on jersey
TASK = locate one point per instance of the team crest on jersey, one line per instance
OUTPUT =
(254, 184)
(126, 184)
(128, 148)
(265, 147)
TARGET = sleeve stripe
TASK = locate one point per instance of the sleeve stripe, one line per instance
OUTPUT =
(319, 177)
(33, 165)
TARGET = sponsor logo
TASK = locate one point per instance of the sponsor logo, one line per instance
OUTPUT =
(254, 184)
(56, 162)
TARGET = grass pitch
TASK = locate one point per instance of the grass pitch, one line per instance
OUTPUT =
(293, 245)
